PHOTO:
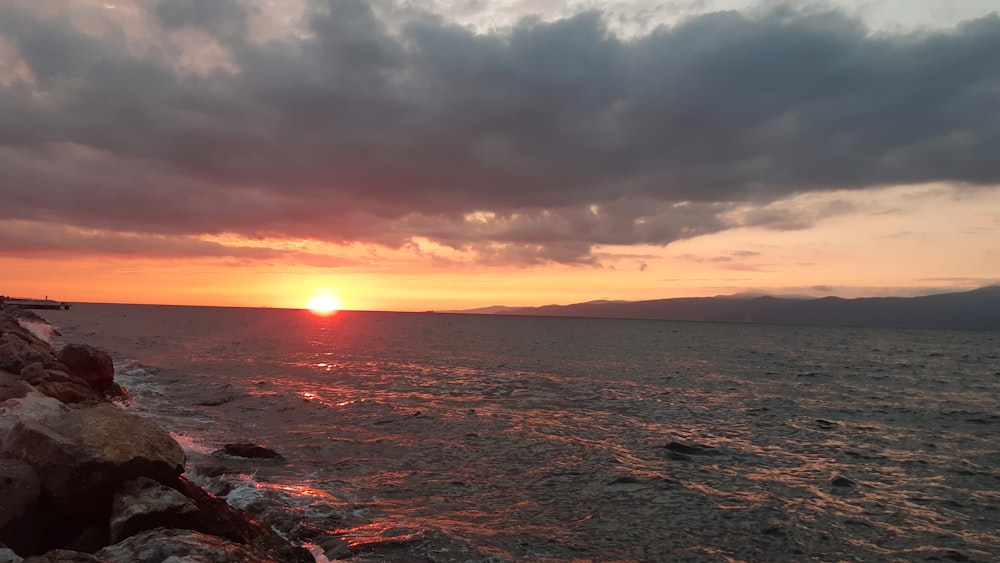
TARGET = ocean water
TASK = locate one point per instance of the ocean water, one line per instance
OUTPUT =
(439, 437)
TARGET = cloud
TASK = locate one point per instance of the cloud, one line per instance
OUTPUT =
(380, 123)
(45, 240)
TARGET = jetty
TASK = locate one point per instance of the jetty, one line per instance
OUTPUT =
(17, 303)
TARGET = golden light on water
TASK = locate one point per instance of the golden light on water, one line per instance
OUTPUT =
(324, 304)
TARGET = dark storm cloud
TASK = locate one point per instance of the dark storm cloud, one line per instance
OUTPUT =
(385, 125)
(38, 239)
(220, 16)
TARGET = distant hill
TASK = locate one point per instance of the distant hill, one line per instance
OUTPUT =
(971, 310)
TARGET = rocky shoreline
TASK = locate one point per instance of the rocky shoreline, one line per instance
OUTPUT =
(82, 479)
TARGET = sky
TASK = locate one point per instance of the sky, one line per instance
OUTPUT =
(448, 154)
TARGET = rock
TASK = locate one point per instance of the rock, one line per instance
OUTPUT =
(88, 447)
(334, 547)
(92, 535)
(840, 481)
(19, 348)
(143, 504)
(254, 451)
(118, 394)
(77, 472)
(684, 449)
(7, 555)
(59, 385)
(162, 544)
(90, 364)
(12, 386)
(217, 518)
(34, 373)
(64, 556)
(19, 490)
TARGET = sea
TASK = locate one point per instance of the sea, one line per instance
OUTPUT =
(486, 438)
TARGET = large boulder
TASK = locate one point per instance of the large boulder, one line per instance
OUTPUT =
(87, 447)
(90, 364)
(162, 544)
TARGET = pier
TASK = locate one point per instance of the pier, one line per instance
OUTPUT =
(16, 303)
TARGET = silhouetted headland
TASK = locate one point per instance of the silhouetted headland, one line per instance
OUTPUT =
(970, 310)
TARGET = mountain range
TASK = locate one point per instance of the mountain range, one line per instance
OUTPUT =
(978, 309)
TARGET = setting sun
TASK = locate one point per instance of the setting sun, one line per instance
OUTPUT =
(324, 304)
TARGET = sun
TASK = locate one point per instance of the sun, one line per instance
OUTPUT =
(325, 304)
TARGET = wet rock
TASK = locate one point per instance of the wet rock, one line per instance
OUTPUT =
(85, 448)
(216, 401)
(162, 544)
(334, 547)
(841, 481)
(217, 518)
(685, 449)
(90, 364)
(218, 395)
(118, 394)
(214, 470)
(143, 504)
(825, 424)
(248, 450)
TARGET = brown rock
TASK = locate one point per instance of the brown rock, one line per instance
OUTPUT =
(59, 384)
(162, 544)
(19, 348)
(87, 447)
(12, 386)
(90, 364)
(143, 504)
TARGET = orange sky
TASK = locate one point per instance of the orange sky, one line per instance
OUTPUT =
(907, 241)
